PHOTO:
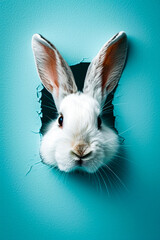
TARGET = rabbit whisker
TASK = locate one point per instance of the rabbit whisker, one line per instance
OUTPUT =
(107, 102)
(101, 168)
(51, 99)
(110, 106)
(49, 117)
(116, 104)
(108, 110)
(118, 178)
(119, 156)
(127, 129)
(97, 177)
(100, 174)
(105, 184)
(49, 107)
(99, 182)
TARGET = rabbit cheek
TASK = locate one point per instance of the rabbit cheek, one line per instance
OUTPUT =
(95, 163)
(63, 158)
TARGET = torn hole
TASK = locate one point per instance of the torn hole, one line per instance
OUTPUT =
(48, 112)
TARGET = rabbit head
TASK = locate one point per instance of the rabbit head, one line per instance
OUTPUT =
(78, 139)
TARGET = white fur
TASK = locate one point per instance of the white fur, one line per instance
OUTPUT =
(93, 80)
(80, 124)
(80, 110)
(65, 77)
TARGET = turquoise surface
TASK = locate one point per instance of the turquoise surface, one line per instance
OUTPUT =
(44, 204)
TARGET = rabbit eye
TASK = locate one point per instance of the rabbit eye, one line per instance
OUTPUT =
(60, 120)
(99, 122)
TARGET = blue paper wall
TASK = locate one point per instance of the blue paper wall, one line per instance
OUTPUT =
(44, 205)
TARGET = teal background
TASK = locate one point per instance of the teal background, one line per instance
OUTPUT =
(44, 204)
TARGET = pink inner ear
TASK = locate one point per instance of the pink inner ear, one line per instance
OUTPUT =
(50, 67)
(109, 64)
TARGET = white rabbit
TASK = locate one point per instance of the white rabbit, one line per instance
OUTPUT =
(78, 139)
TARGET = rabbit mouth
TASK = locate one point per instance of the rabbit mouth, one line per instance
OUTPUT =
(79, 162)
(89, 165)
(81, 165)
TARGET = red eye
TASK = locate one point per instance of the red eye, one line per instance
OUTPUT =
(60, 120)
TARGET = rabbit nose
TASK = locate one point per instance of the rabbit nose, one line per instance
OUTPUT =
(81, 150)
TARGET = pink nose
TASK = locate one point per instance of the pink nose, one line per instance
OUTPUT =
(81, 150)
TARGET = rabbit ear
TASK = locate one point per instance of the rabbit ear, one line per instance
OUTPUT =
(53, 70)
(105, 70)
